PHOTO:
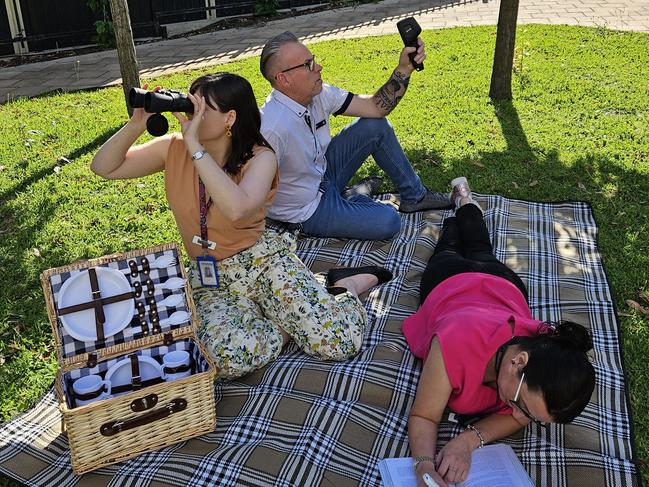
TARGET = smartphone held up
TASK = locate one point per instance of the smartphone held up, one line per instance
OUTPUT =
(409, 30)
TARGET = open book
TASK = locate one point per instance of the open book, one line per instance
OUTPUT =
(491, 466)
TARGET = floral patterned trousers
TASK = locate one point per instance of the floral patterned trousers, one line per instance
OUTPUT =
(262, 289)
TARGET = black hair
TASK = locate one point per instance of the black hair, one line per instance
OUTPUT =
(559, 368)
(232, 92)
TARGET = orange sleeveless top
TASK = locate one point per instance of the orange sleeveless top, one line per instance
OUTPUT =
(181, 187)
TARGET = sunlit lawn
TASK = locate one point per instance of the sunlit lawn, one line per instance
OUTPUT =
(577, 130)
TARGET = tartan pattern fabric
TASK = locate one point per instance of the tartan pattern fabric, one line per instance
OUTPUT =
(73, 347)
(303, 422)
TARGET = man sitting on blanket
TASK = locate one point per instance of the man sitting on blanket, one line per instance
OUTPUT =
(314, 168)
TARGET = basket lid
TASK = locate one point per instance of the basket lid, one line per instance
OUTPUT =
(114, 302)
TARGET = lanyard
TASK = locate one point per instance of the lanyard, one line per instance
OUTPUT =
(204, 208)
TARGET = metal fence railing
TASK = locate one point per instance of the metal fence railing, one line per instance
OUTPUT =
(223, 9)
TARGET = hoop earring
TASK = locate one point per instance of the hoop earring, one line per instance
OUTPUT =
(228, 130)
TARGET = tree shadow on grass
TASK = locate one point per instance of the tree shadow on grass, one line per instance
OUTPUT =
(512, 129)
(24, 327)
(21, 186)
(617, 194)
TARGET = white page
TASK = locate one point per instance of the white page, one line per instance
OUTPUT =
(397, 472)
(491, 466)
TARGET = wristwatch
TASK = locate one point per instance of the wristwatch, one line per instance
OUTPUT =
(198, 154)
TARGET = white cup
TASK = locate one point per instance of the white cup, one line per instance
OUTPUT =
(91, 385)
(173, 360)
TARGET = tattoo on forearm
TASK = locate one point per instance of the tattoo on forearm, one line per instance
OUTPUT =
(391, 92)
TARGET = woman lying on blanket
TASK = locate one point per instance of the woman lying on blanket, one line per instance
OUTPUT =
(483, 352)
(220, 175)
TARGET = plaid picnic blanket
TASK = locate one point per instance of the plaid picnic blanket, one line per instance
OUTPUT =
(302, 422)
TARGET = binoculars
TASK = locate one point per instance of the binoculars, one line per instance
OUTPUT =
(157, 102)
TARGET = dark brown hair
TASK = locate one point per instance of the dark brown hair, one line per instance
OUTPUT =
(225, 92)
(559, 368)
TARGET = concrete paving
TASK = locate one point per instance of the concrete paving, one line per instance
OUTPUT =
(163, 57)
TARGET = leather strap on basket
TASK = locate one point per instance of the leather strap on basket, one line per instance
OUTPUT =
(90, 395)
(136, 380)
(144, 262)
(110, 300)
(177, 370)
(113, 427)
(100, 318)
(153, 316)
(129, 387)
(137, 285)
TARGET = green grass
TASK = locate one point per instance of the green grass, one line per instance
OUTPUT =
(577, 130)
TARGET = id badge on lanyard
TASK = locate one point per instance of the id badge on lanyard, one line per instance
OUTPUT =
(207, 268)
(207, 271)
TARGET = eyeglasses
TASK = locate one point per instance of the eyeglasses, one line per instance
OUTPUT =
(309, 64)
(519, 406)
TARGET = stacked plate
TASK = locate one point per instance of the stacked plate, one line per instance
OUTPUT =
(76, 290)
(121, 373)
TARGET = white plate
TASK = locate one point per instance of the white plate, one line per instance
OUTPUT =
(76, 290)
(120, 374)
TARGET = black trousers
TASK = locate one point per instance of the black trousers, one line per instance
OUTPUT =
(464, 246)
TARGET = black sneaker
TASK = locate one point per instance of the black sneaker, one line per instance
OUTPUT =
(366, 186)
(431, 201)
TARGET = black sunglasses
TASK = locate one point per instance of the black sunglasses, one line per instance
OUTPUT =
(309, 64)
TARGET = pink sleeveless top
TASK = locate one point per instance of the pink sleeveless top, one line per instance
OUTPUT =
(470, 314)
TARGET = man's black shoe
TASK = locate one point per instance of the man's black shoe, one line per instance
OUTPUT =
(430, 201)
(367, 186)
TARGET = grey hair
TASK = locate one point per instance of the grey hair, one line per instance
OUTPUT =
(271, 48)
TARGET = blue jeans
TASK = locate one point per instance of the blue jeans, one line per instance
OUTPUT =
(361, 217)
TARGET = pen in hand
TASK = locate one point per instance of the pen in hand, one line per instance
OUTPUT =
(428, 480)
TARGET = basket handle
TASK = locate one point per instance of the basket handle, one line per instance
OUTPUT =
(113, 427)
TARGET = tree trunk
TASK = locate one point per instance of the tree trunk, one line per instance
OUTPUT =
(128, 64)
(501, 75)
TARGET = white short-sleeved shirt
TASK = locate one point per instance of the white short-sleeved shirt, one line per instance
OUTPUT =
(300, 136)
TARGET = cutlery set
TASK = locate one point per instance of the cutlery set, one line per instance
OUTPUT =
(147, 288)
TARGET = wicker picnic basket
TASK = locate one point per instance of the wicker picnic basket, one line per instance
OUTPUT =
(149, 413)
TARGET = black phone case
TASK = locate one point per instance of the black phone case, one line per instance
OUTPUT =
(409, 30)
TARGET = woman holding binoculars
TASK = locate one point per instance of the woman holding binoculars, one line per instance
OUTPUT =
(252, 293)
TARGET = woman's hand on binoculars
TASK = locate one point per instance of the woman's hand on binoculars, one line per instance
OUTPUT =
(190, 124)
(139, 115)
